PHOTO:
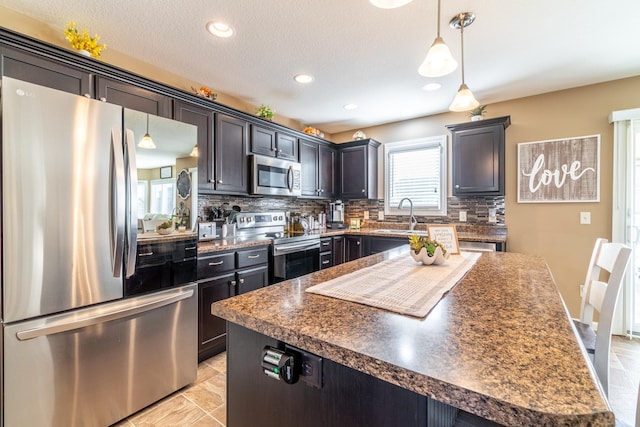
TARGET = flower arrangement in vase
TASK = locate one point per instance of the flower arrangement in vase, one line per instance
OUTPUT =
(82, 41)
(265, 112)
(427, 251)
(205, 92)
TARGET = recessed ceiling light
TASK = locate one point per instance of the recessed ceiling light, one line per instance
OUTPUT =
(431, 86)
(350, 106)
(303, 78)
(219, 29)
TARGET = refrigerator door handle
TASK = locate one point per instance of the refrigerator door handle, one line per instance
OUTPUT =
(131, 226)
(118, 199)
(70, 325)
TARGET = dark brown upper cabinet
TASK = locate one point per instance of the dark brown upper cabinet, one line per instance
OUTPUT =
(133, 97)
(44, 72)
(477, 150)
(269, 142)
(204, 119)
(318, 169)
(359, 169)
(230, 155)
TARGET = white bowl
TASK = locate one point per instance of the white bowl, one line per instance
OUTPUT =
(422, 256)
(165, 231)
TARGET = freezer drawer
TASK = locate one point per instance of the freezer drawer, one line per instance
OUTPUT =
(95, 366)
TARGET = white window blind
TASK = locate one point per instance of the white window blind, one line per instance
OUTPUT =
(416, 169)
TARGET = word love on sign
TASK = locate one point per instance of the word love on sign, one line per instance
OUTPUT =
(561, 170)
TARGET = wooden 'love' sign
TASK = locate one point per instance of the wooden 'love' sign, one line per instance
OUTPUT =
(559, 170)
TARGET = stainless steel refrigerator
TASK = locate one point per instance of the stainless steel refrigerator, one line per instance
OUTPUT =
(74, 351)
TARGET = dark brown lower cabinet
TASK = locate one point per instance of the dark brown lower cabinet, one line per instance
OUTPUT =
(338, 250)
(354, 248)
(346, 397)
(212, 329)
(220, 276)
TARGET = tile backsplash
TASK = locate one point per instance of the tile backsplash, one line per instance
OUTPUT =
(477, 208)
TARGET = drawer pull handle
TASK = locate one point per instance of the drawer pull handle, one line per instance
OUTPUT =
(325, 262)
(213, 264)
(253, 256)
(190, 248)
(147, 254)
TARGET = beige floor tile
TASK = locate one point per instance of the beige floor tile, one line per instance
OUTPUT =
(207, 395)
(178, 411)
(207, 421)
(220, 414)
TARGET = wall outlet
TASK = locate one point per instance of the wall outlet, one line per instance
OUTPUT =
(380, 215)
(585, 217)
(492, 215)
(365, 214)
(463, 216)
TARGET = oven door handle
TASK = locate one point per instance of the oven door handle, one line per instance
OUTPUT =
(295, 247)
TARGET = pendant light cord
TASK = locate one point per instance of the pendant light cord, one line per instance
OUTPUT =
(462, 45)
(438, 18)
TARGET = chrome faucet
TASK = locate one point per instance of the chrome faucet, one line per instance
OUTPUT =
(412, 219)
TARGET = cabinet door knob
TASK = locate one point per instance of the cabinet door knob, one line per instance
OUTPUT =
(103, 99)
(363, 190)
(241, 281)
(86, 95)
(233, 283)
(457, 185)
(219, 181)
(279, 150)
(358, 243)
(213, 181)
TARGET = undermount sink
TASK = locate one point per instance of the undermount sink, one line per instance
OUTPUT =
(392, 231)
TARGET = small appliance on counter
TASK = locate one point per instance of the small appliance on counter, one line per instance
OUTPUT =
(336, 215)
(206, 231)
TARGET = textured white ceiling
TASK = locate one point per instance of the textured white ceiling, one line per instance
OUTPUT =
(361, 54)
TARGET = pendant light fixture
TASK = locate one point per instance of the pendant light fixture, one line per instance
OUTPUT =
(439, 61)
(146, 141)
(389, 4)
(464, 100)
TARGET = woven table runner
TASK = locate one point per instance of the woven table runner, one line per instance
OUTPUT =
(400, 285)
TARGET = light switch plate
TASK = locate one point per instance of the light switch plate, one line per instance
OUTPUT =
(492, 215)
(463, 216)
(380, 215)
(585, 217)
(365, 214)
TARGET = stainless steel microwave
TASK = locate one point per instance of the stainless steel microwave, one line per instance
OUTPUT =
(275, 177)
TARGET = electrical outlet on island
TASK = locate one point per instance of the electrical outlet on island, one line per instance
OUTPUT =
(463, 216)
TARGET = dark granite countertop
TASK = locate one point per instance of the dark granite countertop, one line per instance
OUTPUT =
(147, 238)
(468, 233)
(500, 344)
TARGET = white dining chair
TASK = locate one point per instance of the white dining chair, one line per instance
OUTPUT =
(638, 409)
(601, 296)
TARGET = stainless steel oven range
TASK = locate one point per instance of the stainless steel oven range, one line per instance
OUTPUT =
(291, 255)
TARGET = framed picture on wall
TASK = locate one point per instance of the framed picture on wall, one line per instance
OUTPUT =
(559, 170)
(165, 172)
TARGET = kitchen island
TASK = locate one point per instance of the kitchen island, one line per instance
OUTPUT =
(499, 345)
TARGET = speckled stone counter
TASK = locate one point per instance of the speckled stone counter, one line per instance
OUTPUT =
(499, 345)
(229, 244)
(146, 238)
(465, 233)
